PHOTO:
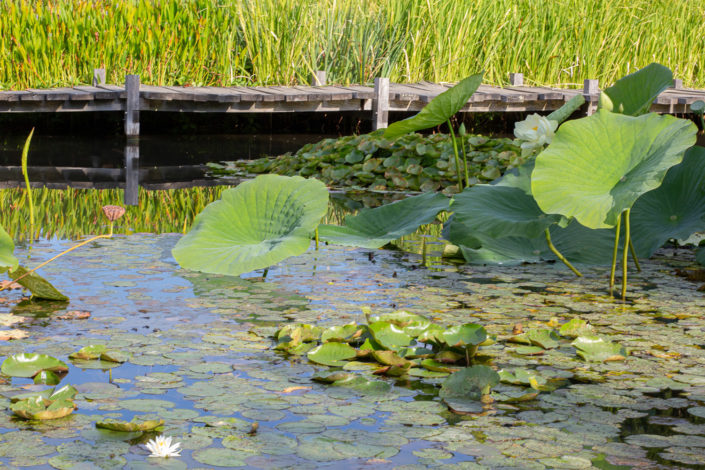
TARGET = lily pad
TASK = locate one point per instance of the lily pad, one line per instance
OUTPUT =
(129, 426)
(255, 225)
(29, 365)
(576, 327)
(463, 390)
(331, 354)
(40, 409)
(597, 349)
(389, 335)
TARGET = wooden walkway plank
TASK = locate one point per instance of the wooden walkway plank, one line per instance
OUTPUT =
(98, 93)
(326, 93)
(360, 92)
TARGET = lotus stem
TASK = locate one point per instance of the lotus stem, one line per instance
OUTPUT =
(316, 238)
(614, 254)
(560, 255)
(634, 257)
(625, 253)
(25, 173)
(423, 250)
(457, 158)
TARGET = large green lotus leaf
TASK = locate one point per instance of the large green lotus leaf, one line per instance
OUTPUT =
(129, 426)
(341, 333)
(29, 365)
(500, 211)
(519, 177)
(597, 349)
(7, 248)
(37, 285)
(676, 209)
(439, 110)
(255, 225)
(411, 323)
(469, 334)
(598, 166)
(389, 336)
(463, 390)
(373, 228)
(634, 93)
(331, 354)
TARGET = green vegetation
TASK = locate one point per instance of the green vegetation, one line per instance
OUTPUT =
(228, 42)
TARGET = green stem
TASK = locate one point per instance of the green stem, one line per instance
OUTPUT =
(560, 255)
(614, 254)
(457, 158)
(316, 238)
(634, 257)
(25, 173)
(625, 253)
(423, 251)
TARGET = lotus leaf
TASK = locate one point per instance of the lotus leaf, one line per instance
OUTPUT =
(464, 388)
(547, 339)
(436, 366)
(331, 354)
(676, 209)
(29, 365)
(298, 333)
(469, 334)
(426, 373)
(344, 333)
(389, 336)
(40, 409)
(598, 166)
(330, 377)
(255, 225)
(37, 285)
(597, 349)
(576, 327)
(89, 352)
(431, 334)
(7, 248)
(523, 377)
(364, 386)
(634, 93)
(498, 211)
(390, 358)
(67, 392)
(439, 110)
(129, 426)
(374, 228)
(47, 377)
(411, 323)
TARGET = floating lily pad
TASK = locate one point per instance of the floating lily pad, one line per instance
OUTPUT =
(29, 365)
(597, 349)
(40, 409)
(331, 354)
(129, 426)
(576, 327)
(389, 335)
(463, 390)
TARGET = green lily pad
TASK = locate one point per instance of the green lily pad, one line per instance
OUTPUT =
(37, 285)
(129, 426)
(390, 358)
(344, 333)
(41, 409)
(597, 349)
(389, 335)
(47, 377)
(331, 354)
(255, 225)
(547, 339)
(464, 388)
(469, 334)
(576, 327)
(411, 323)
(29, 365)
(89, 352)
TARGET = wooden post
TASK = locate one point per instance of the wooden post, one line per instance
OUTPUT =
(98, 77)
(380, 104)
(132, 106)
(516, 79)
(132, 172)
(318, 78)
(677, 84)
(591, 88)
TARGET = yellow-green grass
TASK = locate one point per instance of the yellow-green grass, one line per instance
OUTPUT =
(235, 42)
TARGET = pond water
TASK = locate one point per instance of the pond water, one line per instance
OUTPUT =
(202, 359)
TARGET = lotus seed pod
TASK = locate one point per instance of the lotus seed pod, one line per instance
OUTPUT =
(113, 212)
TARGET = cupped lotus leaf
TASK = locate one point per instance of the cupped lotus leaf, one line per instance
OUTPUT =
(500, 211)
(389, 335)
(469, 334)
(37, 285)
(374, 228)
(7, 248)
(129, 426)
(576, 327)
(29, 365)
(67, 392)
(411, 323)
(254, 225)
(598, 349)
(431, 334)
(676, 209)
(47, 377)
(463, 390)
(597, 167)
(436, 366)
(89, 352)
(42, 410)
(331, 354)
(343, 333)
(439, 110)
(633, 94)
(390, 358)
(112, 355)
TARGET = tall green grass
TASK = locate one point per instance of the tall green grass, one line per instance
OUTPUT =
(238, 42)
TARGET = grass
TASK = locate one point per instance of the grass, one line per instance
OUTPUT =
(264, 42)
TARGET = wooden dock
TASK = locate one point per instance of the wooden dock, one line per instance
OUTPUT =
(378, 101)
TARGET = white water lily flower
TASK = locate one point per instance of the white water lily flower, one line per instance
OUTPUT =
(536, 131)
(161, 447)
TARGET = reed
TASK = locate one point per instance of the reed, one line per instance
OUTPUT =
(47, 43)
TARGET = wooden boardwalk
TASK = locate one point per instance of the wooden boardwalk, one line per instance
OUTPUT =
(379, 100)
